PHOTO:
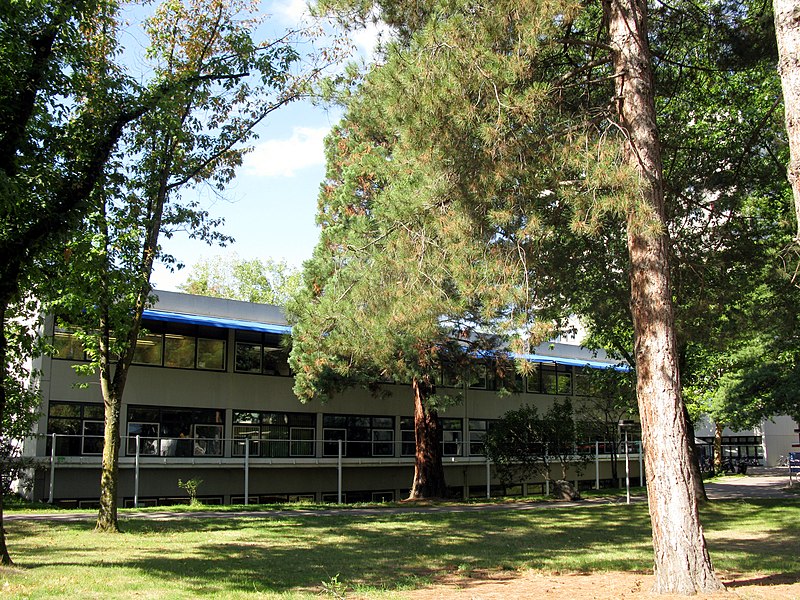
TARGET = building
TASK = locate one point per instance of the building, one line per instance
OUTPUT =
(210, 396)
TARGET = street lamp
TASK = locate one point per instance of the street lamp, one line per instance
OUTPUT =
(624, 426)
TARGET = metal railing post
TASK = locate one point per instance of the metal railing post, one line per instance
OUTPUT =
(136, 475)
(52, 469)
(597, 465)
(339, 476)
(246, 472)
(627, 472)
(641, 473)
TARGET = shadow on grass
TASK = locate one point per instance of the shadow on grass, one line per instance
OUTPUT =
(219, 555)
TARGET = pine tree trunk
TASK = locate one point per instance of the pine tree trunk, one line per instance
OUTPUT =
(5, 557)
(682, 564)
(428, 470)
(109, 475)
(787, 33)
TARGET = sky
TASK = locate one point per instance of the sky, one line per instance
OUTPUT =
(270, 207)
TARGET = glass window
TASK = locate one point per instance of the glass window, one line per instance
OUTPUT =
(78, 428)
(148, 438)
(211, 354)
(477, 436)
(248, 357)
(149, 349)
(302, 441)
(451, 377)
(276, 362)
(533, 380)
(451, 437)
(66, 345)
(477, 377)
(179, 351)
(207, 440)
(408, 444)
(382, 442)
(92, 437)
(330, 439)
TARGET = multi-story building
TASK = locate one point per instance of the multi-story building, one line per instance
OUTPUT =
(210, 396)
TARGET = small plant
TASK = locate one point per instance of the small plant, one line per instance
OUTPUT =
(191, 485)
(334, 588)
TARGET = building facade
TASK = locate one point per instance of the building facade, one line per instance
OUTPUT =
(209, 396)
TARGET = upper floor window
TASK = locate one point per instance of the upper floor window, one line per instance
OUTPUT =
(262, 353)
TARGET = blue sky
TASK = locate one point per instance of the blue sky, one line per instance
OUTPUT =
(271, 206)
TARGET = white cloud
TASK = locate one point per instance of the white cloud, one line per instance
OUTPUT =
(291, 11)
(367, 39)
(283, 158)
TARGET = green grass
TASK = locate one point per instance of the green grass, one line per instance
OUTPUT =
(290, 557)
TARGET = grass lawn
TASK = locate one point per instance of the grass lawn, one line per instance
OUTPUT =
(289, 557)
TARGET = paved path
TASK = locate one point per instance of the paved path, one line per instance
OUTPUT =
(760, 483)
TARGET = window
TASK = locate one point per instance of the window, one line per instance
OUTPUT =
(533, 380)
(66, 345)
(408, 440)
(583, 382)
(451, 437)
(478, 377)
(149, 349)
(451, 376)
(211, 354)
(477, 435)
(274, 435)
(179, 351)
(79, 428)
(262, 353)
(180, 432)
(363, 436)
(556, 379)
(148, 438)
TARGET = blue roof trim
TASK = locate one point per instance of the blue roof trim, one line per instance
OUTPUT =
(572, 362)
(172, 317)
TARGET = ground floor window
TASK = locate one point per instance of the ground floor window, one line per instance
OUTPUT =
(361, 436)
(167, 431)
(273, 434)
(477, 435)
(78, 427)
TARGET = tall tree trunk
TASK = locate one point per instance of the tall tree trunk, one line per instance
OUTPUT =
(787, 33)
(682, 564)
(5, 557)
(428, 470)
(109, 474)
(694, 457)
(718, 447)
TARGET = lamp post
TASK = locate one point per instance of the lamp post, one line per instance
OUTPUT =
(624, 426)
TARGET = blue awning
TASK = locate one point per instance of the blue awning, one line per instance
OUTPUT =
(572, 362)
(173, 317)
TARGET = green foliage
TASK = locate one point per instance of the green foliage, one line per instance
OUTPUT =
(524, 442)
(251, 280)
(191, 486)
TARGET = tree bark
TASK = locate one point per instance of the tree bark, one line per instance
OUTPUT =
(697, 473)
(682, 564)
(5, 557)
(787, 33)
(429, 479)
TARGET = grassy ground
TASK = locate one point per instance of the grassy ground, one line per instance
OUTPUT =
(290, 557)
